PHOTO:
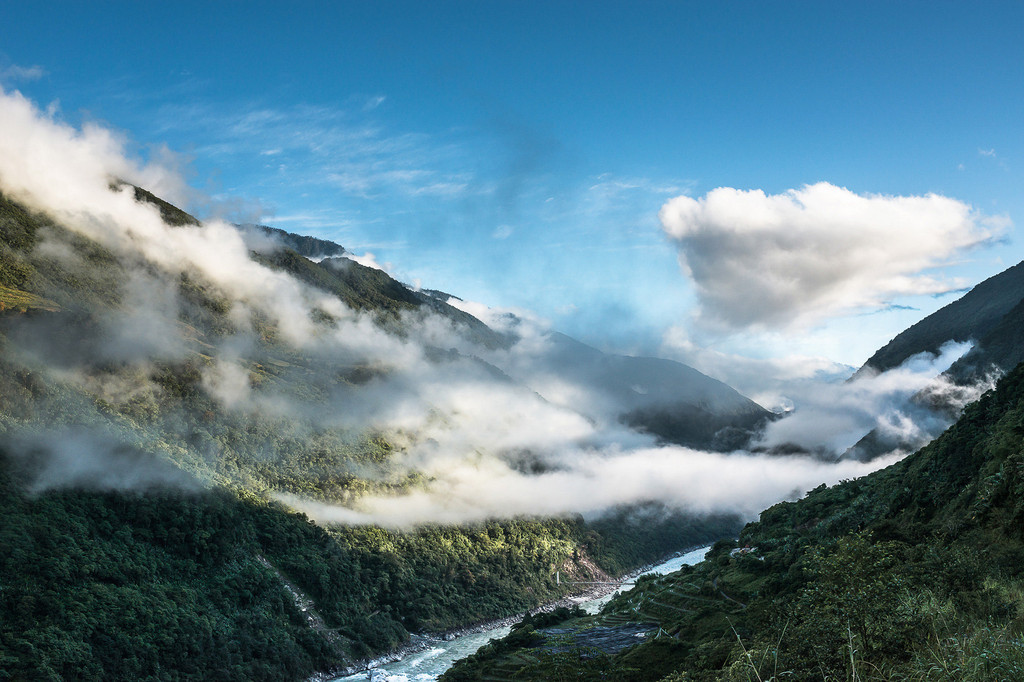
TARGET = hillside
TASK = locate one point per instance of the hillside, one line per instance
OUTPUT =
(1001, 347)
(989, 317)
(308, 247)
(914, 572)
(154, 410)
(969, 318)
(662, 397)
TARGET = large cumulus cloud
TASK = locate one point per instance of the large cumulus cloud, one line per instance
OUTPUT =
(793, 259)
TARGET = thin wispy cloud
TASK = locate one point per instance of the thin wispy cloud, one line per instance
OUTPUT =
(610, 184)
(14, 73)
(993, 157)
(314, 220)
(374, 102)
(503, 231)
(318, 147)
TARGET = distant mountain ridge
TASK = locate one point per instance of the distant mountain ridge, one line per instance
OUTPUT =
(991, 316)
(670, 400)
(969, 318)
(665, 398)
(313, 248)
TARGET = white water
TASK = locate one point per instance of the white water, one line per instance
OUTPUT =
(427, 665)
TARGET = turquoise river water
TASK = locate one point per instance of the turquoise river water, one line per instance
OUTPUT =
(428, 664)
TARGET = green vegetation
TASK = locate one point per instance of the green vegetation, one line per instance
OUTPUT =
(310, 247)
(171, 214)
(15, 300)
(99, 586)
(166, 584)
(915, 572)
(1002, 346)
(140, 535)
(969, 318)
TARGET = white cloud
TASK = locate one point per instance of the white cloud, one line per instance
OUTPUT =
(503, 232)
(832, 416)
(589, 482)
(374, 102)
(369, 260)
(788, 261)
(67, 173)
(826, 409)
(13, 73)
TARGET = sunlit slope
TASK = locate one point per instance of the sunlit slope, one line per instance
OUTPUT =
(914, 572)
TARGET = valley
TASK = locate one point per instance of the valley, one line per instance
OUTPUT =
(158, 484)
(149, 504)
(394, 323)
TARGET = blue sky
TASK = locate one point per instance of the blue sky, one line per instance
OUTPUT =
(518, 153)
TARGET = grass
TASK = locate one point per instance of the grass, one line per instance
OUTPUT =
(22, 301)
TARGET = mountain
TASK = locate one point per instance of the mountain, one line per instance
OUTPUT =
(1001, 348)
(969, 318)
(170, 390)
(307, 247)
(990, 317)
(912, 572)
(667, 399)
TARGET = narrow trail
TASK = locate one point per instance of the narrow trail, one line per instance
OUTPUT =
(306, 605)
(714, 584)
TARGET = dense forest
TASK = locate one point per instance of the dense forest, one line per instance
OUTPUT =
(911, 573)
(219, 583)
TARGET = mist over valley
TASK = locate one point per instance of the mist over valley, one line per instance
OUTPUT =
(329, 336)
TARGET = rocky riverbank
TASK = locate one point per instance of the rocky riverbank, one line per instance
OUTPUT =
(423, 642)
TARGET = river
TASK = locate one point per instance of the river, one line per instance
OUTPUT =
(439, 655)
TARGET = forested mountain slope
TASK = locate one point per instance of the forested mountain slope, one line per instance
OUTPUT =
(1001, 347)
(969, 318)
(154, 408)
(915, 572)
(989, 317)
